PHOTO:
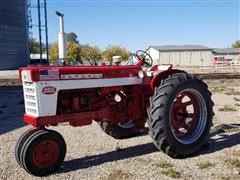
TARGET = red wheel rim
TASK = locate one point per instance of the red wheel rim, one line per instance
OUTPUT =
(188, 116)
(45, 153)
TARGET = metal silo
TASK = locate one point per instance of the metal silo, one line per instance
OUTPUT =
(13, 34)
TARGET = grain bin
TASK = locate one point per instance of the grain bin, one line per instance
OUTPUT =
(13, 34)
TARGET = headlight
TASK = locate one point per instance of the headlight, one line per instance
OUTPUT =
(141, 74)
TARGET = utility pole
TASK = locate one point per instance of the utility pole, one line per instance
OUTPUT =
(46, 30)
(40, 29)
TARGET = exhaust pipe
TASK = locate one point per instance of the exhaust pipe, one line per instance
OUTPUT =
(62, 40)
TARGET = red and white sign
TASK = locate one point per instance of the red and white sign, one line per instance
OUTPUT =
(49, 90)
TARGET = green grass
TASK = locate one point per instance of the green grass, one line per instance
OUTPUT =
(232, 92)
(218, 89)
(143, 161)
(236, 99)
(118, 175)
(227, 108)
(171, 173)
(237, 153)
(164, 164)
(225, 178)
(205, 165)
(234, 163)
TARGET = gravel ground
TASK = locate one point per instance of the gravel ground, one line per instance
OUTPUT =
(91, 154)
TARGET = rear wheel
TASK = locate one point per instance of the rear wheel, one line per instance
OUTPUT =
(42, 152)
(180, 115)
(120, 130)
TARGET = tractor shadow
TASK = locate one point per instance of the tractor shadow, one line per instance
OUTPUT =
(219, 140)
(221, 137)
(11, 108)
(95, 160)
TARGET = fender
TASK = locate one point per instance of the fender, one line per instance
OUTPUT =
(156, 80)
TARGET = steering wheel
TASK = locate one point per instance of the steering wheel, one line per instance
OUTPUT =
(144, 57)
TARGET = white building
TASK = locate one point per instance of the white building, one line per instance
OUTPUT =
(184, 55)
(35, 59)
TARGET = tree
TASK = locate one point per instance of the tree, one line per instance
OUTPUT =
(33, 46)
(72, 37)
(236, 44)
(53, 53)
(90, 54)
(74, 52)
(113, 50)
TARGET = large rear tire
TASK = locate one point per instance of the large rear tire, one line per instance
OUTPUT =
(180, 115)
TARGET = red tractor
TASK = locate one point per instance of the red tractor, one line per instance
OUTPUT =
(176, 106)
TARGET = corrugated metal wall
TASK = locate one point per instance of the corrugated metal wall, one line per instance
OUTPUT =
(13, 34)
(186, 58)
(182, 58)
(154, 54)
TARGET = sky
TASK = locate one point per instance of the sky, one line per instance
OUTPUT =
(138, 24)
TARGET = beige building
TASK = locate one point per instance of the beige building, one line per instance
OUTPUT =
(184, 55)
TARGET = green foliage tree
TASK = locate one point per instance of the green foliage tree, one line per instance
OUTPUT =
(33, 46)
(113, 50)
(236, 44)
(72, 38)
(53, 53)
(74, 52)
(90, 54)
(87, 53)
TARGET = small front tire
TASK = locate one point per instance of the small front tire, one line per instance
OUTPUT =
(43, 152)
(21, 140)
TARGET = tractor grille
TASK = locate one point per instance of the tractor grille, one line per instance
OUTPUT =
(30, 98)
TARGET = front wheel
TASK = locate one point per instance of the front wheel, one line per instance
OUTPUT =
(21, 140)
(180, 115)
(42, 152)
